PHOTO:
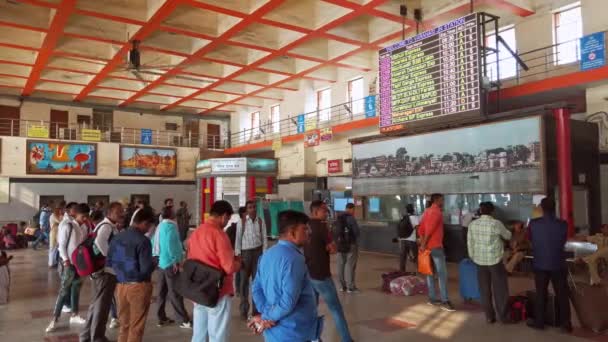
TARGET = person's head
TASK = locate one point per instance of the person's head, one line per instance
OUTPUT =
(251, 209)
(140, 204)
(350, 208)
(183, 204)
(486, 208)
(57, 210)
(318, 210)
(70, 209)
(169, 203)
(168, 213)
(99, 204)
(96, 216)
(44, 205)
(221, 211)
(293, 227)
(517, 225)
(81, 213)
(242, 212)
(548, 206)
(437, 199)
(604, 229)
(409, 209)
(115, 212)
(144, 219)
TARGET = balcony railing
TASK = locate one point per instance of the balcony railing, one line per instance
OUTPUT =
(37, 129)
(542, 63)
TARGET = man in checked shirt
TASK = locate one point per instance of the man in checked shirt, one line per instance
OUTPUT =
(250, 243)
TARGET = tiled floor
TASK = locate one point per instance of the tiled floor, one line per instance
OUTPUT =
(372, 315)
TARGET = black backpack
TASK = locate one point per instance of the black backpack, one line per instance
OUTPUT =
(405, 227)
(345, 236)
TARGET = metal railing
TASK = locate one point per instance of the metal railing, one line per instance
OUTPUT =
(37, 129)
(542, 63)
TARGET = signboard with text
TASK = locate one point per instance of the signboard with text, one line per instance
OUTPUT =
(229, 165)
(90, 134)
(326, 134)
(146, 136)
(301, 126)
(334, 166)
(593, 51)
(370, 106)
(312, 138)
(430, 75)
(38, 131)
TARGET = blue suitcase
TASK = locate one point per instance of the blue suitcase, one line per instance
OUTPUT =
(467, 279)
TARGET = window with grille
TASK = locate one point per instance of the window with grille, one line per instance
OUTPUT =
(355, 95)
(507, 66)
(567, 30)
(324, 104)
(275, 118)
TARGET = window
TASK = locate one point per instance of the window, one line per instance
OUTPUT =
(255, 125)
(355, 95)
(568, 28)
(275, 118)
(324, 104)
(506, 63)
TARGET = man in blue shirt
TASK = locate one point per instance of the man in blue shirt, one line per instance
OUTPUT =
(282, 290)
(130, 256)
(548, 235)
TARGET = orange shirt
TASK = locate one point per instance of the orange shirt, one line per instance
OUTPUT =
(431, 226)
(210, 245)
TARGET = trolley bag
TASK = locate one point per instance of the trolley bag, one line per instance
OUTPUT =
(551, 308)
(467, 279)
(590, 303)
(517, 305)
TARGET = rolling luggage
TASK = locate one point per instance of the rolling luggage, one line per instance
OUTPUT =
(590, 303)
(467, 279)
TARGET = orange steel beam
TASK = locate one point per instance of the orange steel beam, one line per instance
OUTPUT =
(315, 34)
(60, 19)
(152, 25)
(240, 26)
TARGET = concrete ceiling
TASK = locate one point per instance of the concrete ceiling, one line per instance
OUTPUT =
(201, 56)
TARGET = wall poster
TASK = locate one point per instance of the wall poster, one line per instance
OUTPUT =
(491, 158)
(59, 158)
(148, 161)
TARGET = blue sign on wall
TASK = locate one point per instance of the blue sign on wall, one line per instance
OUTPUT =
(146, 136)
(370, 106)
(301, 123)
(593, 51)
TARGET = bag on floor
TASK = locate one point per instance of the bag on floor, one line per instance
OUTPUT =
(551, 308)
(388, 277)
(425, 262)
(590, 303)
(414, 285)
(518, 308)
(467, 280)
(396, 286)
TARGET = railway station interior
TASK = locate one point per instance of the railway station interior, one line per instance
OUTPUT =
(353, 112)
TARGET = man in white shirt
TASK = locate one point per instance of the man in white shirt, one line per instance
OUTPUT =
(104, 280)
(72, 232)
(250, 243)
(408, 245)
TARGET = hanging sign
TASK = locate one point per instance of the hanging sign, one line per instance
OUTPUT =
(593, 51)
(326, 134)
(301, 126)
(334, 166)
(311, 123)
(90, 134)
(146, 136)
(38, 131)
(370, 106)
(277, 144)
(311, 138)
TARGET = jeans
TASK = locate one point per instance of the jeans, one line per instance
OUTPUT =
(494, 291)
(441, 271)
(42, 238)
(327, 290)
(406, 248)
(94, 329)
(69, 291)
(347, 266)
(53, 255)
(211, 321)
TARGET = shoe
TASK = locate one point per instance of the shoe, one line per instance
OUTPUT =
(186, 325)
(490, 320)
(352, 290)
(447, 306)
(51, 327)
(77, 320)
(163, 322)
(434, 302)
(114, 323)
(343, 289)
(65, 309)
(530, 323)
(566, 330)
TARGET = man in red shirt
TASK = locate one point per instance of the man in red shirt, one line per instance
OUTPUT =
(431, 237)
(210, 245)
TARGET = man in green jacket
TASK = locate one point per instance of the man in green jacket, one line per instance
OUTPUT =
(170, 256)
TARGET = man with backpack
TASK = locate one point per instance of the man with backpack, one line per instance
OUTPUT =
(72, 232)
(406, 232)
(346, 236)
(104, 279)
(250, 243)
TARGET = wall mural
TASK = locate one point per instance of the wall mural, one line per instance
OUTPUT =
(148, 161)
(58, 158)
(492, 158)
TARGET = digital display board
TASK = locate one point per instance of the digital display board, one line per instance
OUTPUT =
(431, 75)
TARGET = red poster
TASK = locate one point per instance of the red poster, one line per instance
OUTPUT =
(334, 166)
(312, 138)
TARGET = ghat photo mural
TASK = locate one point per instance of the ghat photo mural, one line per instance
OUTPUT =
(148, 161)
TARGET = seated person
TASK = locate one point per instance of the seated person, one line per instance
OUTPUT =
(601, 241)
(519, 245)
(10, 241)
